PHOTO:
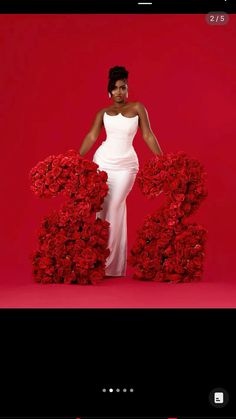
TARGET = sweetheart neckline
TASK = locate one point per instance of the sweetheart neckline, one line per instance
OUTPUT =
(127, 117)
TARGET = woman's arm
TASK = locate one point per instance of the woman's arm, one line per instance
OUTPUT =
(93, 134)
(147, 133)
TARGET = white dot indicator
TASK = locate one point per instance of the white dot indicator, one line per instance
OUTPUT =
(104, 390)
(111, 390)
(124, 390)
(131, 390)
(118, 390)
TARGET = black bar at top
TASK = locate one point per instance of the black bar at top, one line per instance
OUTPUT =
(117, 6)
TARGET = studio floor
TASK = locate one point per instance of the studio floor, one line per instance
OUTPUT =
(22, 292)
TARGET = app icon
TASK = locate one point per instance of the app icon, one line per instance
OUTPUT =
(219, 397)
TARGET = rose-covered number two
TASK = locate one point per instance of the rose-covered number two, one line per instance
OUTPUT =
(72, 242)
(167, 247)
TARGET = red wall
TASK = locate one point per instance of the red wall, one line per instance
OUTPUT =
(53, 79)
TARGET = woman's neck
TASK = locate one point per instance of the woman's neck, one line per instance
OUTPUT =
(119, 105)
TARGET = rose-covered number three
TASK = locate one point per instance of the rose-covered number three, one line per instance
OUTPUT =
(168, 248)
(72, 243)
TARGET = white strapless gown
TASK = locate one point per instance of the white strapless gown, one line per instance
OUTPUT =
(118, 158)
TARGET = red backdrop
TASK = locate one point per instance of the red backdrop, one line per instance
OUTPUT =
(53, 79)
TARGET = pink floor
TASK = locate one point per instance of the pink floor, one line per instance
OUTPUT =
(116, 293)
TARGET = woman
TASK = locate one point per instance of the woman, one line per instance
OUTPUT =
(118, 158)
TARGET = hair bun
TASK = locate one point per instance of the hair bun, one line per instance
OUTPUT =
(118, 72)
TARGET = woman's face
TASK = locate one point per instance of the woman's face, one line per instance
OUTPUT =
(120, 91)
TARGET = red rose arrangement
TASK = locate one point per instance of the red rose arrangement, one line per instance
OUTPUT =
(168, 248)
(72, 242)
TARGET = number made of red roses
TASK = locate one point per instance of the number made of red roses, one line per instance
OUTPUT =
(167, 247)
(72, 242)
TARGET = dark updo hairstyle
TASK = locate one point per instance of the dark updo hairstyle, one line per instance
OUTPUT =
(116, 73)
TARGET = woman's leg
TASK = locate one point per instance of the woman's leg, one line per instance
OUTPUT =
(114, 210)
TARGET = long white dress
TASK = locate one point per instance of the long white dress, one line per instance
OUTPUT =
(118, 158)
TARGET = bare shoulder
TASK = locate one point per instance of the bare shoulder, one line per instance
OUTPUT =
(99, 117)
(100, 113)
(108, 109)
(139, 106)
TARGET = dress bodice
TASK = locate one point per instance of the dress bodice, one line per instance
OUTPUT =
(120, 130)
(116, 151)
